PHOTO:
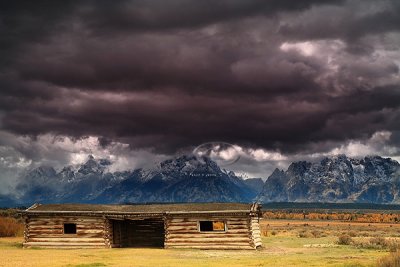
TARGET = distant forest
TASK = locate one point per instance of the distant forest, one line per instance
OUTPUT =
(326, 207)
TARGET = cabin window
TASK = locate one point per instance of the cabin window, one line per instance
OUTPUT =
(69, 228)
(211, 226)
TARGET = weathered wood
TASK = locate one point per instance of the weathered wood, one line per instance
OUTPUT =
(79, 244)
(199, 243)
(44, 231)
(66, 236)
(183, 232)
(64, 247)
(170, 230)
(210, 238)
(205, 218)
(49, 231)
(62, 220)
(78, 229)
(70, 239)
(255, 233)
(211, 246)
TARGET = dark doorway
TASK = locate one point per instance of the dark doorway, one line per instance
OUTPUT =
(138, 233)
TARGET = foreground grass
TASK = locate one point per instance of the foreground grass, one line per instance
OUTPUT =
(279, 251)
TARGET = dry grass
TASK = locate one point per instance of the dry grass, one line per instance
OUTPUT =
(282, 247)
(392, 260)
(10, 227)
(278, 251)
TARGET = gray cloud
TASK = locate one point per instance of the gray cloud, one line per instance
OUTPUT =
(294, 77)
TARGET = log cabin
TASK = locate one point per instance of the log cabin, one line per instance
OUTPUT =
(189, 225)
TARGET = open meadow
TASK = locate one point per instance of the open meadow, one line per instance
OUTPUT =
(286, 243)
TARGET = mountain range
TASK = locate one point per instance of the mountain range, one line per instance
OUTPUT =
(336, 179)
(190, 179)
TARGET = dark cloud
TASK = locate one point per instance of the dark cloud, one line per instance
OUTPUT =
(292, 76)
(144, 15)
(350, 22)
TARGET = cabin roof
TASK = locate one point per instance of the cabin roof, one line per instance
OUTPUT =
(143, 208)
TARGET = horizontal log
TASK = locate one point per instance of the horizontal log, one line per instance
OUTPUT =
(90, 231)
(45, 231)
(89, 225)
(225, 221)
(62, 220)
(211, 247)
(237, 228)
(180, 220)
(229, 231)
(39, 228)
(217, 242)
(76, 239)
(244, 221)
(61, 231)
(183, 224)
(210, 238)
(44, 223)
(188, 220)
(82, 227)
(61, 227)
(62, 235)
(178, 228)
(206, 234)
(64, 244)
(61, 223)
(205, 218)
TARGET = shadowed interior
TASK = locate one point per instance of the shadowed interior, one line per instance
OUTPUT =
(138, 233)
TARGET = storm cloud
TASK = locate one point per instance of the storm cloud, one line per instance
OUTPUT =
(289, 78)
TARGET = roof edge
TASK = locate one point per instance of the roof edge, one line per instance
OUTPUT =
(129, 212)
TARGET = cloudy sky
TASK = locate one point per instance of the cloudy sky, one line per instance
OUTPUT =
(140, 81)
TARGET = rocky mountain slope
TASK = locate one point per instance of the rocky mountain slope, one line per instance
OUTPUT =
(183, 179)
(337, 179)
(189, 179)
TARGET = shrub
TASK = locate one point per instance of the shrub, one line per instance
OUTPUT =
(10, 227)
(318, 234)
(378, 241)
(393, 245)
(363, 244)
(345, 240)
(392, 260)
(352, 233)
(305, 234)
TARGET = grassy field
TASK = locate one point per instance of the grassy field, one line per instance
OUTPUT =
(287, 243)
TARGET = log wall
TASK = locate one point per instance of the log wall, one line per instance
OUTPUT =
(255, 232)
(171, 231)
(183, 232)
(48, 231)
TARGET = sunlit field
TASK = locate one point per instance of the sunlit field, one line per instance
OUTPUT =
(286, 243)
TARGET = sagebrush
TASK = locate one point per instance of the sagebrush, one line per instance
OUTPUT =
(10, 227)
